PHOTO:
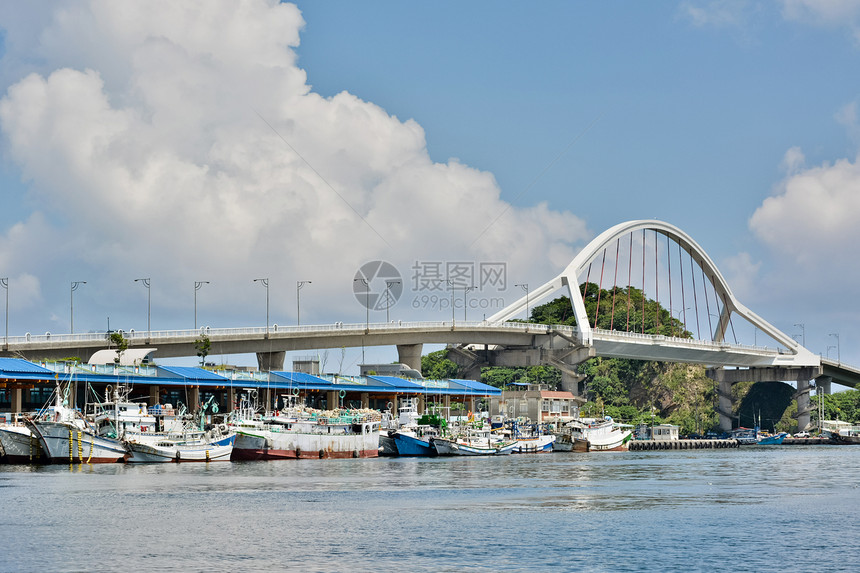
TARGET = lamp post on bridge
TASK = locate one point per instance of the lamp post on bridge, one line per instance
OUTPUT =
(197, 286)
(838, 357)
(148, 306)
(465, 306)
(388, 297)
(802, 333)
(299, 285)
(265, 283)
(75, 285)
(525, 287)
(679, 311)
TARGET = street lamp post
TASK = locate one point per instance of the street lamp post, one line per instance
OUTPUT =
(679, 311)
(197, 286)
(75, 286)
(299, 285)
(265, 283)
(148, 306)
(5, 284)
(388, 297)
(802, 333)
(838, 354)
(525, 287)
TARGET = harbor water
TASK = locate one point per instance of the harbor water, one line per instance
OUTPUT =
(750, 509)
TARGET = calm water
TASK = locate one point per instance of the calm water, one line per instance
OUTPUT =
(757, 509)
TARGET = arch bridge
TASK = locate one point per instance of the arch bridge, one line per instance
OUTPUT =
(640, 290)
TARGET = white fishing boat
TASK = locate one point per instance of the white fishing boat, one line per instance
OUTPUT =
(540, 443)
(67, 437)
(19, 445)
(603, 434)
(309, 434)
(475, 442)
(180, 450)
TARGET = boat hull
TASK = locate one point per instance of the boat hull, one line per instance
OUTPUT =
(66, 443)
(149, 453)
(535, 445)
(20, 445)
(568, 443)
(269, 445)
(413, 446)
(387, 445)
(451, 448)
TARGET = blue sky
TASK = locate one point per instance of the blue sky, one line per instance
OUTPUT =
(568, 116)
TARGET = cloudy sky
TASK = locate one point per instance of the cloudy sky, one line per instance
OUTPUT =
(228, 141)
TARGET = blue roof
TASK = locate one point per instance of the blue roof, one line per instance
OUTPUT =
(302, 378)
(477, 386)
(398, 383)
(20, 366)
(193, 373)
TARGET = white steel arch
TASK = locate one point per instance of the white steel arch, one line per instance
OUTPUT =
(570, 278)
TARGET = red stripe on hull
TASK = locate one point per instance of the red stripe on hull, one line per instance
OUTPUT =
(255, 455)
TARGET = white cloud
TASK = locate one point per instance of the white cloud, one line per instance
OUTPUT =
(144, 148)
(742, 274)
(825, 13)
(717, 13)
(813, 214)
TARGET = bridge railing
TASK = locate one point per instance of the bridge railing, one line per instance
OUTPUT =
(138, 335)
(688, 342)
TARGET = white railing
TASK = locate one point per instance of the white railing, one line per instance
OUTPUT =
(279, 331)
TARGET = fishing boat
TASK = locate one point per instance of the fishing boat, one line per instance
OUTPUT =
(67, 437)
(406, 421)
(771, 440)
(19, 445)
(602, 434)
(308, 434)
(415, 441)
(531, 439)
(475, 442)
(181, 450)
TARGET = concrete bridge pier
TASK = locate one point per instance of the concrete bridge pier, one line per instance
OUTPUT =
(154, 397)
(410, 355)
(804, 410)
(724, 408)
(823, 385)
(268, 361)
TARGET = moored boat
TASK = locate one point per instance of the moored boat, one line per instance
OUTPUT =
(474, 442)
(308, 435)
(179, 450)
(19, 445)
(602, 434)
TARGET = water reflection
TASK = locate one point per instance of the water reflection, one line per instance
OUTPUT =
(473, 514)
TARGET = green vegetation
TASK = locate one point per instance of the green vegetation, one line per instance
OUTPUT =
(121, 343)
(203, 345)
(632, 391)
(437, 366)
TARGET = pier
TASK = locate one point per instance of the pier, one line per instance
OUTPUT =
(649, 445)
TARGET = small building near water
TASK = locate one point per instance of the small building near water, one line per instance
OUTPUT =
(536, 402)
(664, 432)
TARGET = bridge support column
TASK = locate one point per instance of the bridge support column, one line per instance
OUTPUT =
(331, 401)
(410, 355)
(421, 404)
(803, 408)
(823, 385)
(268, 361)
(365, 400)
(153, 395)
(725, 405)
